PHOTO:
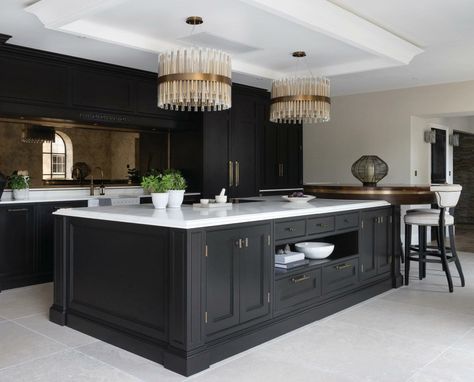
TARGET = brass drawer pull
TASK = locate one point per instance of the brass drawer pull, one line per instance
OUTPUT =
(17, 209)
(296, 280)
(237, 174)
(322, 225)
(343, 266)
(291, 229)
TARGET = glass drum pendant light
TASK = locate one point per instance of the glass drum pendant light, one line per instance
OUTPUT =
(297, 100)
(194, 78)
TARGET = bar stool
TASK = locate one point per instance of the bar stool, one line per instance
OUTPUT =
(447, 196)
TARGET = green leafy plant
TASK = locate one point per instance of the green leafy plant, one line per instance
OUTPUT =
(157, 183)
(18, 182)
(177, 180)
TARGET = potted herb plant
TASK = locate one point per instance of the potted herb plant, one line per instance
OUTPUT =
(19, 182)
(177, 188)
(158, 186)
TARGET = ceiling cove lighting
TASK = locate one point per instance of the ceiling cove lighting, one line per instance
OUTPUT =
(297, 100)
(194, 78)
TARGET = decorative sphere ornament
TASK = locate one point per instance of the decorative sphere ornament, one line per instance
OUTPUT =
(370, 170)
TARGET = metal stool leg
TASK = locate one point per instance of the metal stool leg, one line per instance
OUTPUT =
(407, 252)
(455, 255)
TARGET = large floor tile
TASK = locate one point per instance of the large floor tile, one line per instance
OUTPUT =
(21, 302)
(130, 363)
(451, 366)
(65, 366)
(261, 366)
(41, 324)
(340, 351)
(19, 345)
(437, 326)
(466, 343)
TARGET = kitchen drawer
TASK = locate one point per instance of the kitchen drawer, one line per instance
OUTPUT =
(347, 221)
(297, 289)
(320, 225)
(290, 229)
(340, 276)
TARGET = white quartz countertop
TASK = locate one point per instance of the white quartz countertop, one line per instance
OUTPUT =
(45, 195)
(188, 217)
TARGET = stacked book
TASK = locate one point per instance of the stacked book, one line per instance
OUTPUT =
(290, 260)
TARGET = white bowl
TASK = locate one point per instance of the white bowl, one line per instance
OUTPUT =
(204, 201)
(221, 198)
(298, 199)
(315, 250)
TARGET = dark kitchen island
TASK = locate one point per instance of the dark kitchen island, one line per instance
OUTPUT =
(189, 287)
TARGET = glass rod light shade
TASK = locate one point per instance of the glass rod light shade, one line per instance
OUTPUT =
(296, 100)
(195, 79)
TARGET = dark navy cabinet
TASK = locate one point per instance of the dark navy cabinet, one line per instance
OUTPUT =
(238, 271)
(27, 242)
(17, 238)
(375, 250)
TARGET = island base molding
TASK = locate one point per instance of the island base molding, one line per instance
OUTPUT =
(200, 359)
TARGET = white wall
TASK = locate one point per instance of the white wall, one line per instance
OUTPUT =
(387, 124)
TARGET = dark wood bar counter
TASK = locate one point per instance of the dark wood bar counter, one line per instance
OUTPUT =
(394, 194)
(397, 195)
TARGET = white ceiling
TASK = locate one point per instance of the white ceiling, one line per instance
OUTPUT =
(362, 45)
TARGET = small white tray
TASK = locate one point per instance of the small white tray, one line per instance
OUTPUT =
(212, 205)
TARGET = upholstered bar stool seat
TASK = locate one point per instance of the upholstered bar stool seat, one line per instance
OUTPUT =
(447, 196)
(427, 219)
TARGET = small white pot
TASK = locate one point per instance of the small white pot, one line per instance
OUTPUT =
(176, 198)
(160, 199)
(21, 194)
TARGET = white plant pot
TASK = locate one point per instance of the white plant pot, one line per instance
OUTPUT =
(21, 194)
(176, 198)
(160, 199)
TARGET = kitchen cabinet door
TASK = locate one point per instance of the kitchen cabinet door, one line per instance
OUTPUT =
(367, 255)
(383, 240)
(45, 236)
(17, 251)
(222, 279)
(243, 151)
(254, 272)
(238, 270)
(216, 126)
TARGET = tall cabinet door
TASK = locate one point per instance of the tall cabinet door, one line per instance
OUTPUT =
(17, 254)
(216, 129)
(222, 284)
(243, 140)
(383, 238)
(254, 264)
(294, 164)
(367, 255)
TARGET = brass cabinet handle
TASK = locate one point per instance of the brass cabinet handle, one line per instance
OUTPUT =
(280, 169)
(237, 174)
(238, 243)
(291, 229)
(231, 174)
(296, 280)
(322, 225)
(343, 266)
(246, 242)
(17, 209)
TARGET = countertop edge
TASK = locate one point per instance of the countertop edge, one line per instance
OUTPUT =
(216, 221)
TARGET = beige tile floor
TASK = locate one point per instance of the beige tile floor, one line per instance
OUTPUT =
(415, 333)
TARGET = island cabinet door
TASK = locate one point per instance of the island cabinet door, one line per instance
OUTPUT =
(367, 257)
(222, 279)
(254, 265)
(383, 242)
